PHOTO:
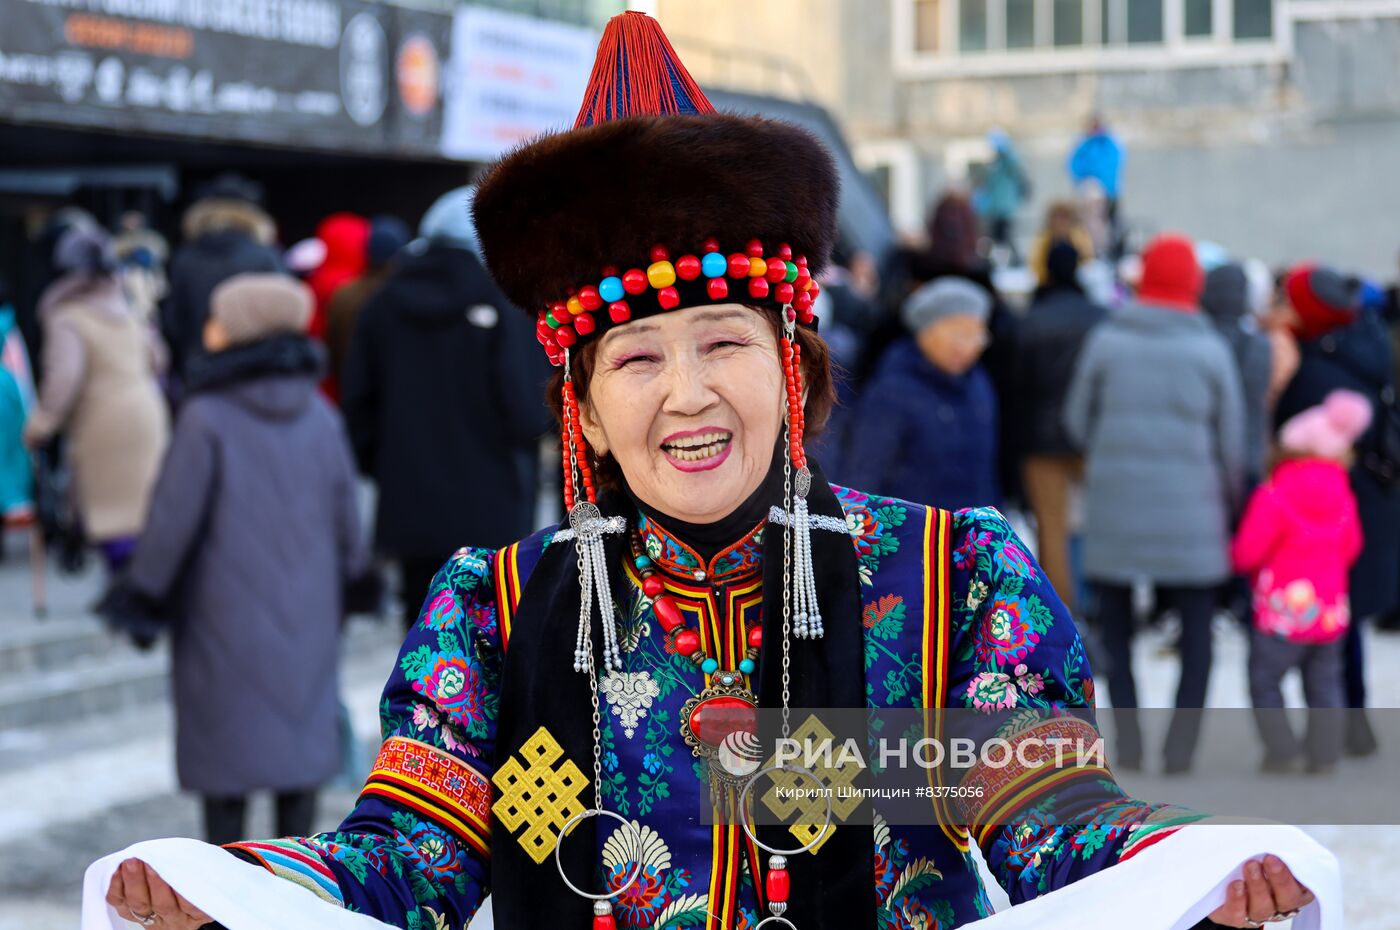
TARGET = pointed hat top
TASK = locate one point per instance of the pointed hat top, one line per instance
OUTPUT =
(636, 73)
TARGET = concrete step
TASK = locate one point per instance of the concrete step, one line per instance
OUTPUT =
(52, 644)
(104, 674)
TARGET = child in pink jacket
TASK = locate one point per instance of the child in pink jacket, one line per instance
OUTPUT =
(1299, 538)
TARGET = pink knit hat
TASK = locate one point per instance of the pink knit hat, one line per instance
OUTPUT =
(1330, 429)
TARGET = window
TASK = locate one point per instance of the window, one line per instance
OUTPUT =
(1254, 19)
(1020, 23)
(972, 25)
(926, 25)
(1199, 18)
(1069, 23)
(1144, 21)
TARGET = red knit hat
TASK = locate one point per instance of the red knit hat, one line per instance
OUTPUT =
(1323, 299)
(1171, 275)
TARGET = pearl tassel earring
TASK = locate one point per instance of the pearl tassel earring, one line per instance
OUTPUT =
(588, 526)
(807, 617)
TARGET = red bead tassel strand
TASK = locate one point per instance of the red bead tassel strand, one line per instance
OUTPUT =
(575, 452)
(792, 374)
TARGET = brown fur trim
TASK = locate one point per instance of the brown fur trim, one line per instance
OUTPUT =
(215, 214)
(554, 212)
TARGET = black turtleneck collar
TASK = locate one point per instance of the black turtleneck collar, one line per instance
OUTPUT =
(710, 539)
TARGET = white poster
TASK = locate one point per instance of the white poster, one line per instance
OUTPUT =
(511, 78)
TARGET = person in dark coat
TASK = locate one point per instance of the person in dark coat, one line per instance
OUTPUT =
(1226, 301)
(926, 426)
(1343, 347)
(1156, 406)
(387, 235)
(226, 232)
(251, 540)
(443, 395)
(1060, 318)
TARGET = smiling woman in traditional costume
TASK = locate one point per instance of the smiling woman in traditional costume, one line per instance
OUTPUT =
(670, 254)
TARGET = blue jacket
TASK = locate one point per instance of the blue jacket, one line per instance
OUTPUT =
(16, 477)
(921, 434)
(1099, 156)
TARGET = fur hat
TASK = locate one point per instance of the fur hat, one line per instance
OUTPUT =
(945, 297)
(1330, 429)
(256, 305)
(647, 185)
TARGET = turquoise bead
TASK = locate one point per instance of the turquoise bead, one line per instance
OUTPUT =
(642, 562)
(714, 265)
(709, 666)
(746, 666)
(610, 288)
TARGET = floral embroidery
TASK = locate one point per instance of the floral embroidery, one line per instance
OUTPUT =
(871, 522)
(629, 695)
(992, 691)
(442, 611)
(1005, 635)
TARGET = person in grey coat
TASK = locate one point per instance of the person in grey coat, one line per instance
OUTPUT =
(1156, 405)
(251, 541)
(1226, 302)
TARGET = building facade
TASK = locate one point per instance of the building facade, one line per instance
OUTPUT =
(1269, 126)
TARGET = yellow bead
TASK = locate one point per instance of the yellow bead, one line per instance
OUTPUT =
(575, 306)
(661, 274)
(757, 268)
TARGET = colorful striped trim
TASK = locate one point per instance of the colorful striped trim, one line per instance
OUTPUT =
(726, 847)
(436, 785)
(290, 860)
(937, 647)
(507, 572)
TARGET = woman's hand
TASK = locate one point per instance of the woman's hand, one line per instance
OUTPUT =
(1268, 888)
(143, 897)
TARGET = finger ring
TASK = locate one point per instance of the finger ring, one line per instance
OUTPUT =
(1252, 924)
(1283, 915)
(146, 919)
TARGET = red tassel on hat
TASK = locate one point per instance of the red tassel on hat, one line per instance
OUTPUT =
(637, 73)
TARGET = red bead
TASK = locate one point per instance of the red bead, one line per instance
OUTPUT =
(814, 290)
(754, 248)
(806, 317)
(604, 922)
(688, 268)
(785, 252)
(802, 302)
(588, 296)
(652, 586)
(756, 637)
(714, 719)
(687, 642)
(565, 336)
(790, 315)
(717, 288)
(783, 292)
(542, 330)
(668, 297)
(800, 261)
(634, 281)
(667, 613)
(710, 245)
(659, 254)
(738, 266)
(779, 884)
(803, 276)
(777, 270)
(561, 314)
(758, 288)
(619, 311)
(584, 324)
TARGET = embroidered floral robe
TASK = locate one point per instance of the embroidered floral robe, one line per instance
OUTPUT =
(415, 850)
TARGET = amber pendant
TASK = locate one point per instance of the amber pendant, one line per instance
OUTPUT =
(720, 726)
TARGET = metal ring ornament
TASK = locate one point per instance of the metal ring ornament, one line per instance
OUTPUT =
(1283, 915)
(146, 919)
(772, 919)
(748, 829)
(559, 863)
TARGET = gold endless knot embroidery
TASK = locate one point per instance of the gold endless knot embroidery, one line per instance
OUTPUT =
(537, 794)
(794, 796)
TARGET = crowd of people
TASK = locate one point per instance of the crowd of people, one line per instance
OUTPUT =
(1201, 436)
(1206, 428)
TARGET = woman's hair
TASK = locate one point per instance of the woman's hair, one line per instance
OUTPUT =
(952, 231)
(817, 378)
